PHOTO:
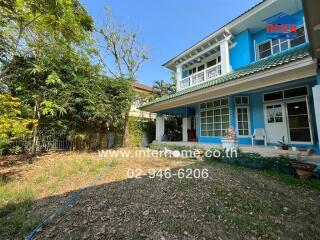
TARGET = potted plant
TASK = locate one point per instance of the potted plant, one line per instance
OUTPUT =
(283, 144)
(303, 170)
(230, 142)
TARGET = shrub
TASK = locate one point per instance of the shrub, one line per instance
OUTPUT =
(256, 161)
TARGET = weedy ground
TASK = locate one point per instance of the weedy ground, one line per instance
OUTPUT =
(232, 203)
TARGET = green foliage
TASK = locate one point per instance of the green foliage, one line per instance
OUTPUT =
(29, 26)
(15, 150)
(15, 119)
(135, 129)
(150, 128)
(256, 161)
(162, 88)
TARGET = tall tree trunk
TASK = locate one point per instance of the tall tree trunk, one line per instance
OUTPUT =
(126, 132)
(88, 141)
(102, 135)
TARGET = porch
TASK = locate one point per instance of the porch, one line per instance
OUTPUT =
(270, 151)
(285, 112)
(277, 95)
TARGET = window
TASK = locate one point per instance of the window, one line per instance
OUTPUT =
(214, 62)
(293, 92)
(242, 100)
(273, 96)
(264, 50)
(200, 68)
(275, 46)
(211, 63)
(300, 39)
(192, 71)
(274, 113)
(243, 121)
(214, 118)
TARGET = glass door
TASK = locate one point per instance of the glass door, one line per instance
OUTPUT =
(299, 124)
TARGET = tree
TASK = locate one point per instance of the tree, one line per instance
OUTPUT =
(127, 55)
(15, 119)
(40, 40)
(26, 26)
(162, 88)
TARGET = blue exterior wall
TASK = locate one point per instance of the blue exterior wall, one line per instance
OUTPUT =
(242, 53)
(261, 36)
(256, 108)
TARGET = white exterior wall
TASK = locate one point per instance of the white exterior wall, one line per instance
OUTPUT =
(316, 101)
(225, 57)
(159, 128)
(178, 76)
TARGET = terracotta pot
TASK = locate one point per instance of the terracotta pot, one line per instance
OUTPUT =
(303, 170)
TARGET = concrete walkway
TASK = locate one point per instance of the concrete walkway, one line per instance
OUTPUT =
(270, 151)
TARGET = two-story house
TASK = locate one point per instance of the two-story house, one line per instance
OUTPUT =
(240, 76)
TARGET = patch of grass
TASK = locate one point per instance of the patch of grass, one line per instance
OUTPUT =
(289, 179)
(41, 179)
(16, 197)
(310, 183)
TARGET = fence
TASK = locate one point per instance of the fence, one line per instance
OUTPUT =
(45, 143)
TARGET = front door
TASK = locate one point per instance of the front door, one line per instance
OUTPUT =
(275, 122)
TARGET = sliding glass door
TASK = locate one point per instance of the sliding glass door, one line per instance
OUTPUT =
(299, 123)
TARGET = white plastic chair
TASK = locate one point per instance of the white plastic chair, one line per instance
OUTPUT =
(259, 134)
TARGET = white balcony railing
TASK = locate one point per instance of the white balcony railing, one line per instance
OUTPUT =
(199, 77)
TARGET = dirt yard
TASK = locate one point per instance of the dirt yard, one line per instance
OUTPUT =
(229, 203)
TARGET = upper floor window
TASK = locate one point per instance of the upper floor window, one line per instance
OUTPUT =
(275, 46)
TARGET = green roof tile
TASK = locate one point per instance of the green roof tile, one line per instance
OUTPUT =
(261, 65)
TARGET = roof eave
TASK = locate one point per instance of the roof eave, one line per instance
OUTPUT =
(227, 26)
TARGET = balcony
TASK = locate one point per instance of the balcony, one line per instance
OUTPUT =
(202, 76)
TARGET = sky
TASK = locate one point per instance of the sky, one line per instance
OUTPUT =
(167, 27)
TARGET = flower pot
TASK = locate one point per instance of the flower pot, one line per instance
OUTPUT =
(285, 147)
(230, 144)
(303, 170)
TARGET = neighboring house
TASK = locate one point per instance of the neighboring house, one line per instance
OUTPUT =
(241, 77)
(143, 93)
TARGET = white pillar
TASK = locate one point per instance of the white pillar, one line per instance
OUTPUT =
(316, 102)
(186, 124)
(159, 128)
(178, 76)
(225, 58)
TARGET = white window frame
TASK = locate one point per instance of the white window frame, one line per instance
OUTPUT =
(241, 104)
(283, 98)
(257, 53)
(212, 109)
(249, 121)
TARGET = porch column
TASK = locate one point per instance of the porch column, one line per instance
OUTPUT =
(316, 101)
(225, 57)
(178, 76)
(186, 124)
(159, 128)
